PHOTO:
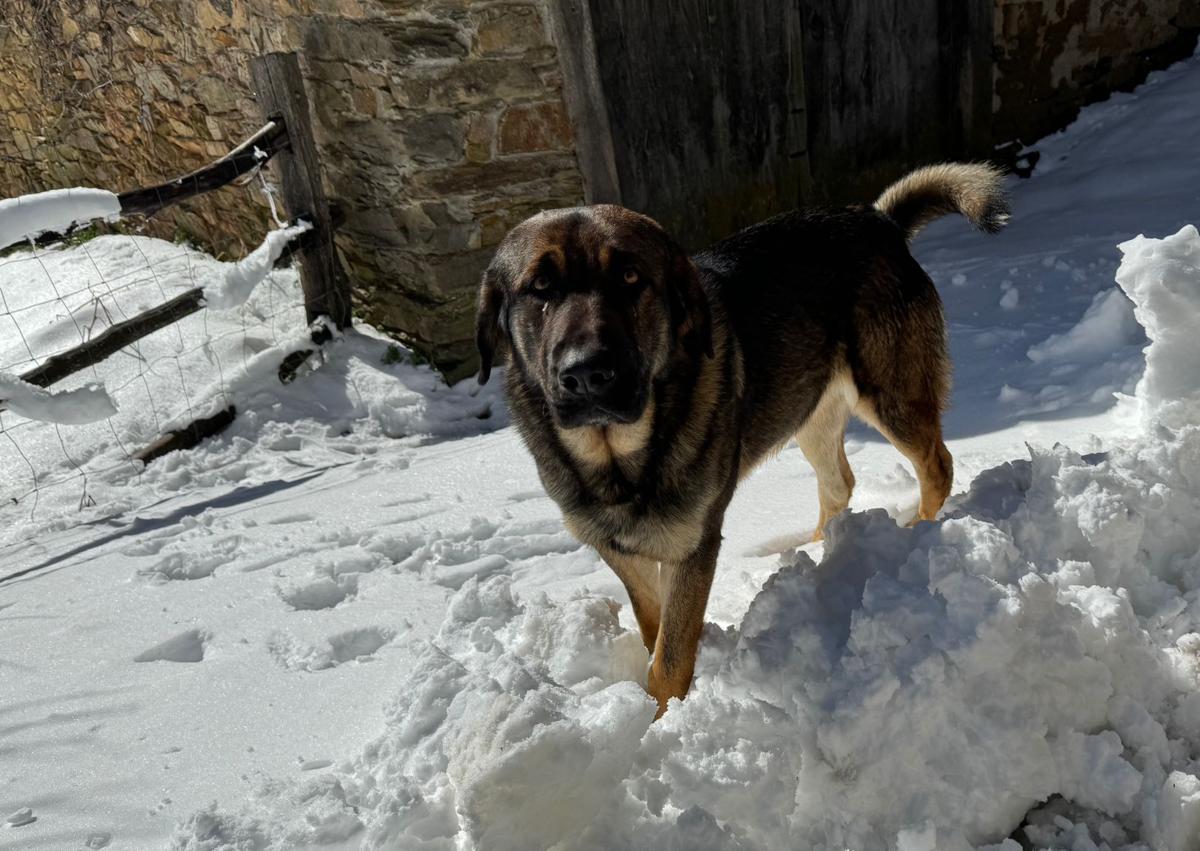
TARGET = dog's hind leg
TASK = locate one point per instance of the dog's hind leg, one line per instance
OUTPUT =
(822, 439)
(640, 577)
(915, 429)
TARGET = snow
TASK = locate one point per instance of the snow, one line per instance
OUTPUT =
(941, 680)
(355, 620)
(29, 216)
(235, 287)
(69, 407)
(1160, 275)
(1107, 324)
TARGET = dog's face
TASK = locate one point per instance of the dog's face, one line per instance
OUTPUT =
(590, 304)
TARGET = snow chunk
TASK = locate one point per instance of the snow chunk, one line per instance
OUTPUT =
(1107, 324)
(1179, 811)
(1162, 278)
(29, 216)
(235, 288)
(1094, 773)
(69, 407)
(21, 817)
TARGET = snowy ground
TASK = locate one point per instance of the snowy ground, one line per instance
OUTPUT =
(355, 618)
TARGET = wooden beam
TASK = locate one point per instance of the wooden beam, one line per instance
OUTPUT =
(187, 437)
(279, 85)
(114, 338)
(587, 103)
(270, 140)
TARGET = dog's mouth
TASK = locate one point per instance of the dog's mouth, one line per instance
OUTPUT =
(600, 412)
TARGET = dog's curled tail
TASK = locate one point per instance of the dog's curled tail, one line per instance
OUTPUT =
(973, 190)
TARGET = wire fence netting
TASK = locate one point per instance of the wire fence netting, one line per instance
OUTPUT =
(53, 298)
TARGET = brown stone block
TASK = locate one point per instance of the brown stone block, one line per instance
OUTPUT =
(507, 28)
(327, 71)
(472, 178)
(481, 137)
(192, 147)
(467, 83)
(557, 189)
(331, 39)
(534, 127)
(434, 137)
(216, 94)
(181, 129)
(495, 226)
(214, 127)
(365, 78)
(364, 101)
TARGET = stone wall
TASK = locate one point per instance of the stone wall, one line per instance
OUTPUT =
(124, 94)
(1054, 56)
(440, 124)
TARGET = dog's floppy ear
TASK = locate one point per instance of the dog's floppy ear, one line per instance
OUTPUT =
(689, 307)
(490, 336)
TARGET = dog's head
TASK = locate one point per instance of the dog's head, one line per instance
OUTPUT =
(591, 304)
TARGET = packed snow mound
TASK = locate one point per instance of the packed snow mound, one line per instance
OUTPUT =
(68, 407)
(1162, 277)
(233, 289)
(59, 210)
(1032, 661)
(1107, 324)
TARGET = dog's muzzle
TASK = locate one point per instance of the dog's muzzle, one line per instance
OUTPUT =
(597, 388)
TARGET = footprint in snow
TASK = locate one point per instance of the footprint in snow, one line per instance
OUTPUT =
(288, 519)
(186, 647)
(98, 839)
(323, 593)
(356, 645)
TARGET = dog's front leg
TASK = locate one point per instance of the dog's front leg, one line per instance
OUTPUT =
(684, 588)
(640, 576)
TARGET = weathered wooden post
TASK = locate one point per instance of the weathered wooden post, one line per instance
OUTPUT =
(281, 94)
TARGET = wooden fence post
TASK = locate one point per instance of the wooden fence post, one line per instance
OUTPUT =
(280, 89)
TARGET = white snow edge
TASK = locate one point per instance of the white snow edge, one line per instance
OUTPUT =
(70, 407)
(28, 216)
(239, 282)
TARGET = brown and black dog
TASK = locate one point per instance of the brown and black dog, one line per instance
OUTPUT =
(647, 383)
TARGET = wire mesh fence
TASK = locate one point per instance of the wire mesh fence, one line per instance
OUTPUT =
(55, 297)
(168, 331)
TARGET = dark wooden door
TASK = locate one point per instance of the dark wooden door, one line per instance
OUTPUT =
(710, 115)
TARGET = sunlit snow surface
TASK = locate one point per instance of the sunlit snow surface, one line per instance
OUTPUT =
(355, 620)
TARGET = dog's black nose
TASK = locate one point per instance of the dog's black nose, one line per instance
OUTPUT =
(587, 376)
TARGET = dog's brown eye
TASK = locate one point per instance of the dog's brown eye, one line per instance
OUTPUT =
(541, 284)
(631, 276)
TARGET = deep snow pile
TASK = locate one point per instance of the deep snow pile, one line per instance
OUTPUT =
(919, 688)
(1160, 277)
